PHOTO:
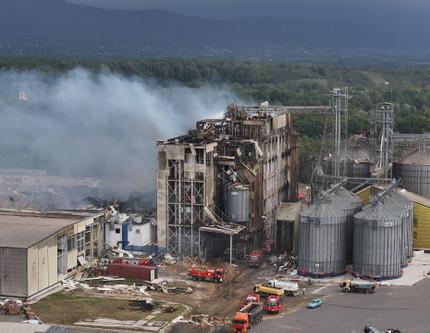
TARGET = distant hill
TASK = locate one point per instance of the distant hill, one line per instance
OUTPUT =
(57, 28)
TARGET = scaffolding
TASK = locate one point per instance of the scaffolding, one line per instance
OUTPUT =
(185, 195)
(340, 110)
(384, 122)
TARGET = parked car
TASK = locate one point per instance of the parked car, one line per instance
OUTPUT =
(315, 303)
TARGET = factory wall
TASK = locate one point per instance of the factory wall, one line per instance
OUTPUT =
(42, 266)
(13, 268)
(421, 226)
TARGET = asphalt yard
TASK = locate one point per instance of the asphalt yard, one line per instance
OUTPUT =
(404, 308)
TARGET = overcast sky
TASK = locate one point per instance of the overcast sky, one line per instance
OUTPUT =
(302, 9)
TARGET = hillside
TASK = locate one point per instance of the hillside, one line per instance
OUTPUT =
(57, 28)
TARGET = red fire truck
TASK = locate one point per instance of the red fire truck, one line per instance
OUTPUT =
(251, 298)
(203, 273)
(273, 304)
(254, 259)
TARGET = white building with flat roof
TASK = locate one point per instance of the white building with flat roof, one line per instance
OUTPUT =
(38, 250)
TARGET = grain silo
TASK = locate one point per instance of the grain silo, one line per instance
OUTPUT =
(351, 205)
(414, 171)
(378, 241)
(324, 228)
(356, 165)
(406, 207)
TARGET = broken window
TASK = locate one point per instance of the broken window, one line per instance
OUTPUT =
(80, 241)
(209, 157)
(200, 156)
(87, 235)
(71, 243)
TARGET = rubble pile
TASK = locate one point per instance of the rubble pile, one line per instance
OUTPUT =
(284, 264)
(15, 307)
(11, 307)
(173, 265)
(204, 320)
(101, 284)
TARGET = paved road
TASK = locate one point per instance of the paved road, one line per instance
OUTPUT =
(405, 308)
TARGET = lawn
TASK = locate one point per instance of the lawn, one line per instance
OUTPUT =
(67, 308)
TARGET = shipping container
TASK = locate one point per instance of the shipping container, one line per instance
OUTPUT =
(147, 273)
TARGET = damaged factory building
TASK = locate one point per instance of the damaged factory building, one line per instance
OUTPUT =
(219, 186)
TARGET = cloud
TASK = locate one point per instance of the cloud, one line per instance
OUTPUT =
(103, 125)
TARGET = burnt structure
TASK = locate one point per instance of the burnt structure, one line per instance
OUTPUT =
(226, 177)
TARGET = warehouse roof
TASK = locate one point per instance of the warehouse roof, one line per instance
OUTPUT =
(24, 229)
(415, 197)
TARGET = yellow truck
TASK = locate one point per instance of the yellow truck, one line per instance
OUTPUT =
(265, 289)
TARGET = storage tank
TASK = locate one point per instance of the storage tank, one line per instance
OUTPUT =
(351, 205)
(357, 162)
(237, 202)
(323, 237)
(378, 241)
(414, 172)
(407, 210)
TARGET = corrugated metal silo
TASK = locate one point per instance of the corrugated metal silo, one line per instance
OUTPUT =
(351, 205)
(357, 165)
(378, 241)
(237, 202)
(324, 244)
(404, 207)
(414, 172)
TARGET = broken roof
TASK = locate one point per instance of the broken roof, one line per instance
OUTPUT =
(289, 211)
(25, 229)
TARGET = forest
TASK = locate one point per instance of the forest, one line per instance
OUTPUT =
(280, 83)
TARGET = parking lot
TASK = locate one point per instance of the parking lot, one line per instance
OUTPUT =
(404, 308)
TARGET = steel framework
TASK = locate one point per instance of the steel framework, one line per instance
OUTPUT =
(384, 122)
(340, 109)
(185, 210)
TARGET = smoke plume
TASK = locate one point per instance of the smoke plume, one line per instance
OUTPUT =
(98, 125)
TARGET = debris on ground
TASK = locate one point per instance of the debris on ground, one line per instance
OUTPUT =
(203, 320)
(14, 307)
(169, 260)
(11, 307)
(146, 304)
(284, 264)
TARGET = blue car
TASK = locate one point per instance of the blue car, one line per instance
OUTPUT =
(315, 303)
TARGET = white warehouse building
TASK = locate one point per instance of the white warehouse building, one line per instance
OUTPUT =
(38, 250)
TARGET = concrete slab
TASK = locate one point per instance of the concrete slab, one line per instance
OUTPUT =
(22, 328)
(415, 272)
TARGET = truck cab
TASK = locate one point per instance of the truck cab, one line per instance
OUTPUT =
(273, 304)
(254, 259)
(219, 274)
(240, 322)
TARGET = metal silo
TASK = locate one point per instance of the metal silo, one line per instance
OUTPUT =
(414, 172)
(378, 241)
(358, 162)
(323, 230)
(357, 165)
(351, 205)
(403, 206)
(237, 202)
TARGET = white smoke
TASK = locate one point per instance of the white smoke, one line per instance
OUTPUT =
(101, 125)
